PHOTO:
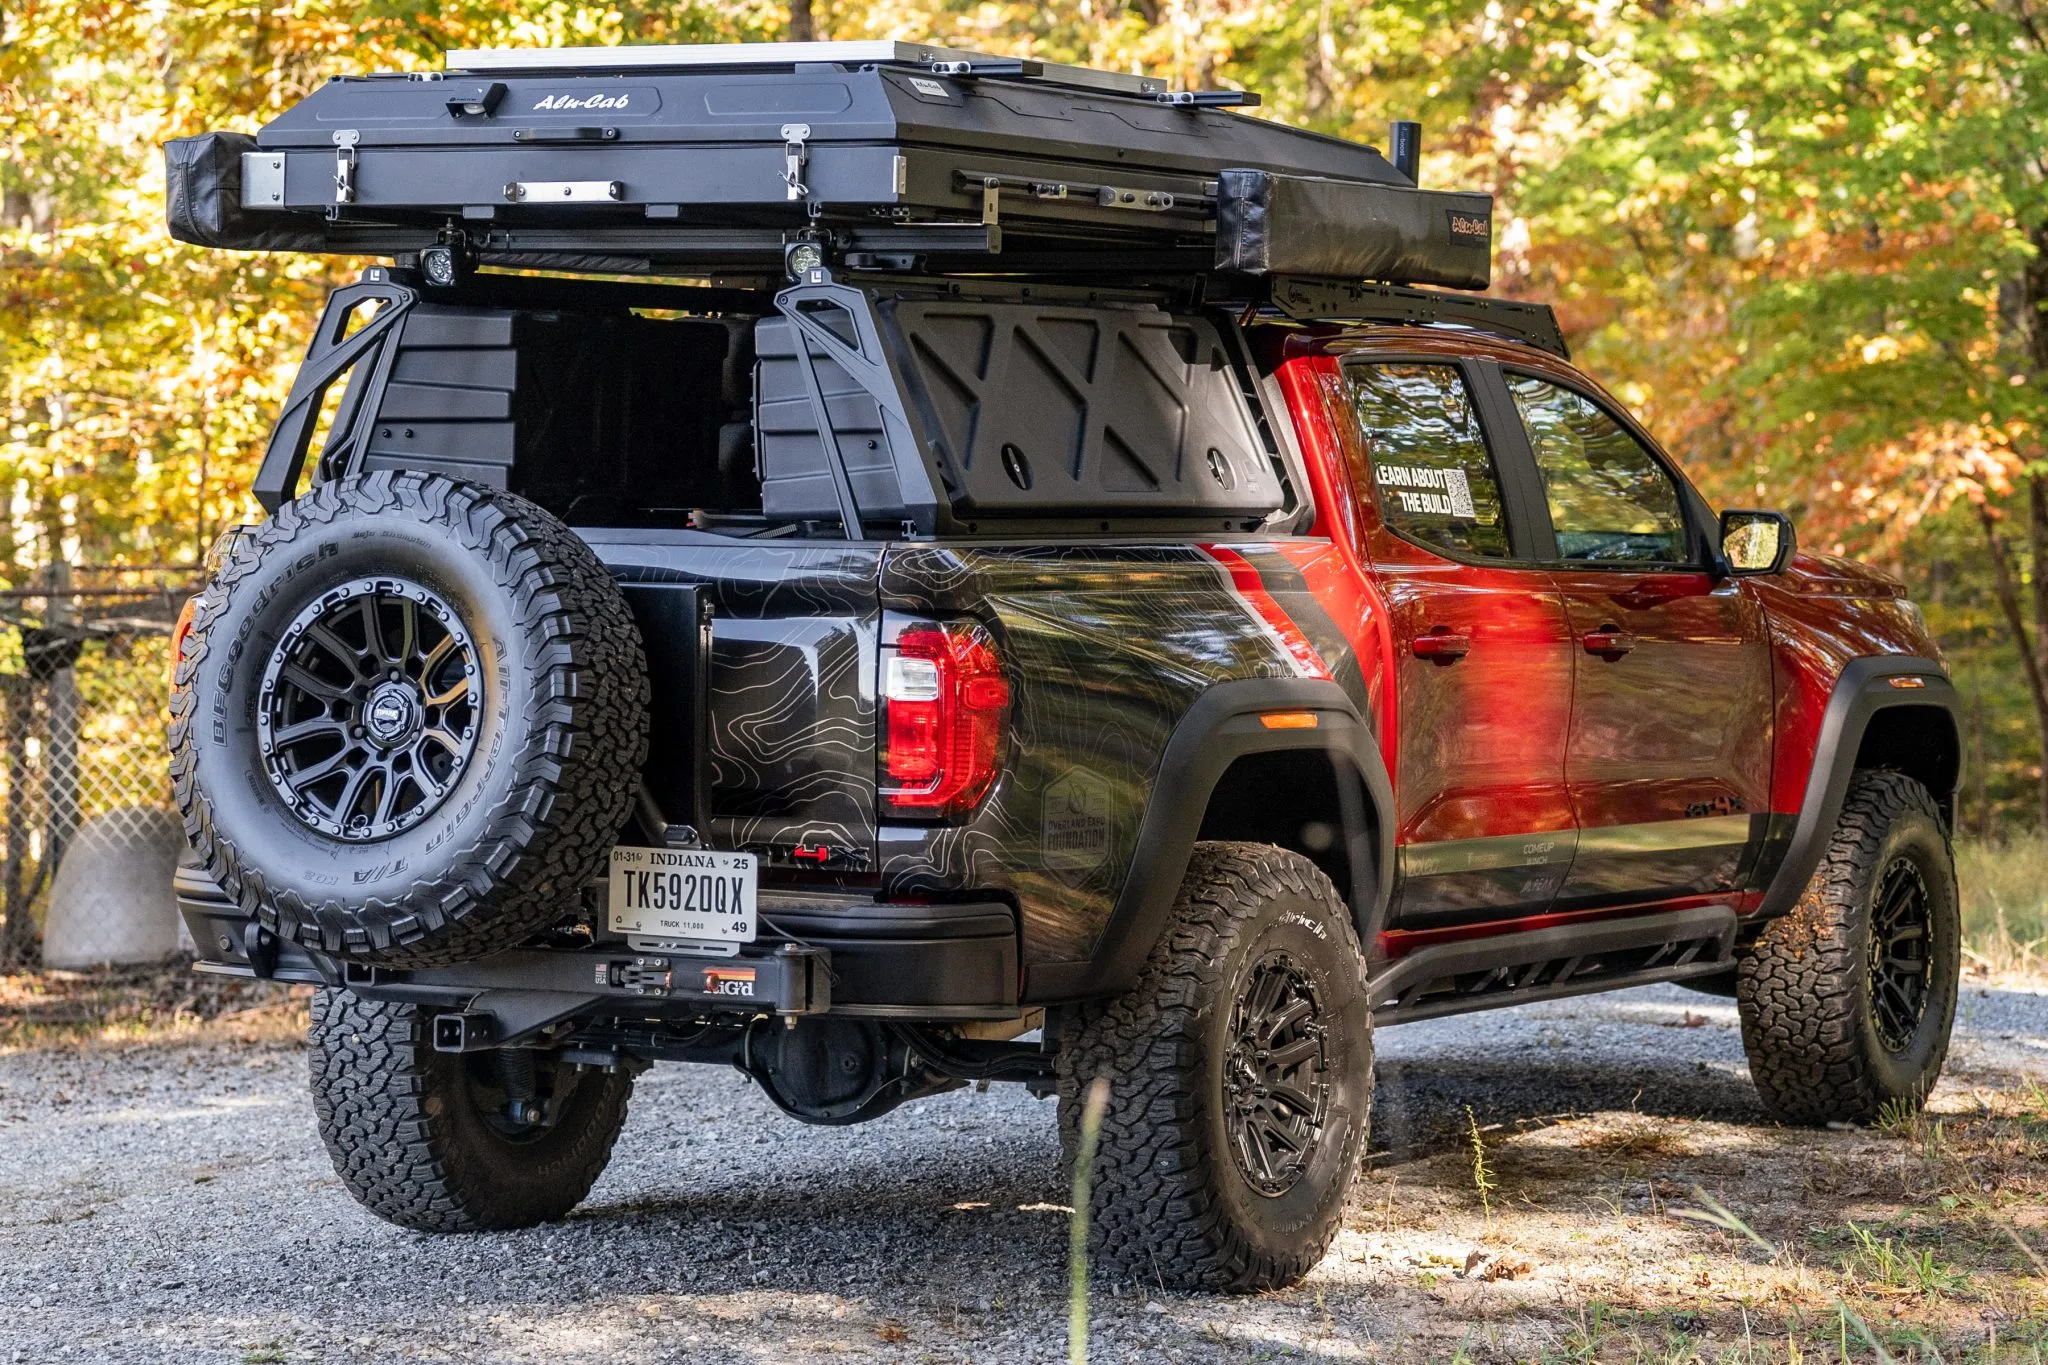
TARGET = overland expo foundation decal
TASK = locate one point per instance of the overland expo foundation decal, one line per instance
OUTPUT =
(1447, 493)
(1077, 825)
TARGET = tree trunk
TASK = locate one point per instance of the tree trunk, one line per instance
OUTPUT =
(1321, 93)
(2037, 551)
(2028, 296)
(2008, 589)
(1983, 779)
(802, 29)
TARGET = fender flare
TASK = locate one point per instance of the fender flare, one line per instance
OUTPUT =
(1220, 728)
(1860, 693)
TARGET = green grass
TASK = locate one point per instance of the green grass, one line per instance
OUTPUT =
(1901, 1266)
(2004, 886)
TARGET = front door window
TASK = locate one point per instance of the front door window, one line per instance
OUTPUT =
(1611, 502)
(1668, 757)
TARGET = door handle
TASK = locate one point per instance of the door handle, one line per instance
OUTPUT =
(1441, 646)
(1609, 642)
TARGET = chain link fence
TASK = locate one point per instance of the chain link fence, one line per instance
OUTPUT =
(89, 838)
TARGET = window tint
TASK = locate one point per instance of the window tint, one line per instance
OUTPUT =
(1610, 501)
(1426, 457)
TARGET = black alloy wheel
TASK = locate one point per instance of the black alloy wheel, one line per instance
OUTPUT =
(1275, 1075)
(368, 708)
(1239, 1067)
(1847, 999)
(1901, 965)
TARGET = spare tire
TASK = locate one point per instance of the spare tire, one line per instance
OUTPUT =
(408, 720)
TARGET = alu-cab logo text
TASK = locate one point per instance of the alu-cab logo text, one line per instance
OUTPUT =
(564, 104)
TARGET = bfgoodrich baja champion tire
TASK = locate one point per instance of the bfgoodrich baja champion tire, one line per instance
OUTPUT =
(1847, 1001)
(408, 721)
(1240, 1075)
(437, 1141)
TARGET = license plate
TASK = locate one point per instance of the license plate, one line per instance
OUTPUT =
(695, 895)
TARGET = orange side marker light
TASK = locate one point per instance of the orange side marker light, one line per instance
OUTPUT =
(1288, 720)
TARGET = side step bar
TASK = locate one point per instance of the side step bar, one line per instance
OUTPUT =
(1545, 964)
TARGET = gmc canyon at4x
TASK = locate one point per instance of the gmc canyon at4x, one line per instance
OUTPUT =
(887, 567)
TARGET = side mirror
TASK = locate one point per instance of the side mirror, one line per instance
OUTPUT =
(1756, 542)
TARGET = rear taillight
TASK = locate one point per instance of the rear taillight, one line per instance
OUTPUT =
(944, 694)
(178, 634)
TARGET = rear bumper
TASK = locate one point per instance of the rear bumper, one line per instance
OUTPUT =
(846, 957)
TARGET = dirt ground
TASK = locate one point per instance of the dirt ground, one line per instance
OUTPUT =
(163, 1196)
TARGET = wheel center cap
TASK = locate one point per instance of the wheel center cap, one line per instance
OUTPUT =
(392, 714)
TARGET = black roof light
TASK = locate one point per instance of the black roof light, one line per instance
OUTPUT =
(476, 101)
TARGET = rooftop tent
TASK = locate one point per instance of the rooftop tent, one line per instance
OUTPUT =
(688, 159)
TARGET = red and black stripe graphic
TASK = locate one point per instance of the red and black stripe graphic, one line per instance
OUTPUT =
(1272, 580)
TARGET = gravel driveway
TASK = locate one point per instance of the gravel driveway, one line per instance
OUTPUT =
(174, 1203)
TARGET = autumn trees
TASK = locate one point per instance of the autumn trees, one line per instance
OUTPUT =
(1831, 216)
(1803, 238)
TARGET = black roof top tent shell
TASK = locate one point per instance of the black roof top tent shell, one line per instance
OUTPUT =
(689, 160)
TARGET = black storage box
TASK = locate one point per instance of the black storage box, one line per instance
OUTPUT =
(1027, 410)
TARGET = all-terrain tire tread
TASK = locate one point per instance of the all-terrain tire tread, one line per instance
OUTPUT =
(1801, 988)
(385, 1126)
(581, 749)
(1154, 1216)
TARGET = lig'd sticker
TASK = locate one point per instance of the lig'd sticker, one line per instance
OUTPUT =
(729, 981)
(1439, 492)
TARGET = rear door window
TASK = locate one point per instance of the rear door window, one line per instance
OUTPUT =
(1426, 457)
(1611, 500)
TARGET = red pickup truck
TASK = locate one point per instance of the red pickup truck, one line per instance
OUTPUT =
(1050, 611)
(1624, 741)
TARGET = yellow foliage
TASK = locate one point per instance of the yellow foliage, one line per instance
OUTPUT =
(1658, 182)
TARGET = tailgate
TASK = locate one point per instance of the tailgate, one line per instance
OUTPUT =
(761, 663)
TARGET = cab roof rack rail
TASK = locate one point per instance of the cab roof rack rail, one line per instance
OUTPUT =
(1316, 300)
